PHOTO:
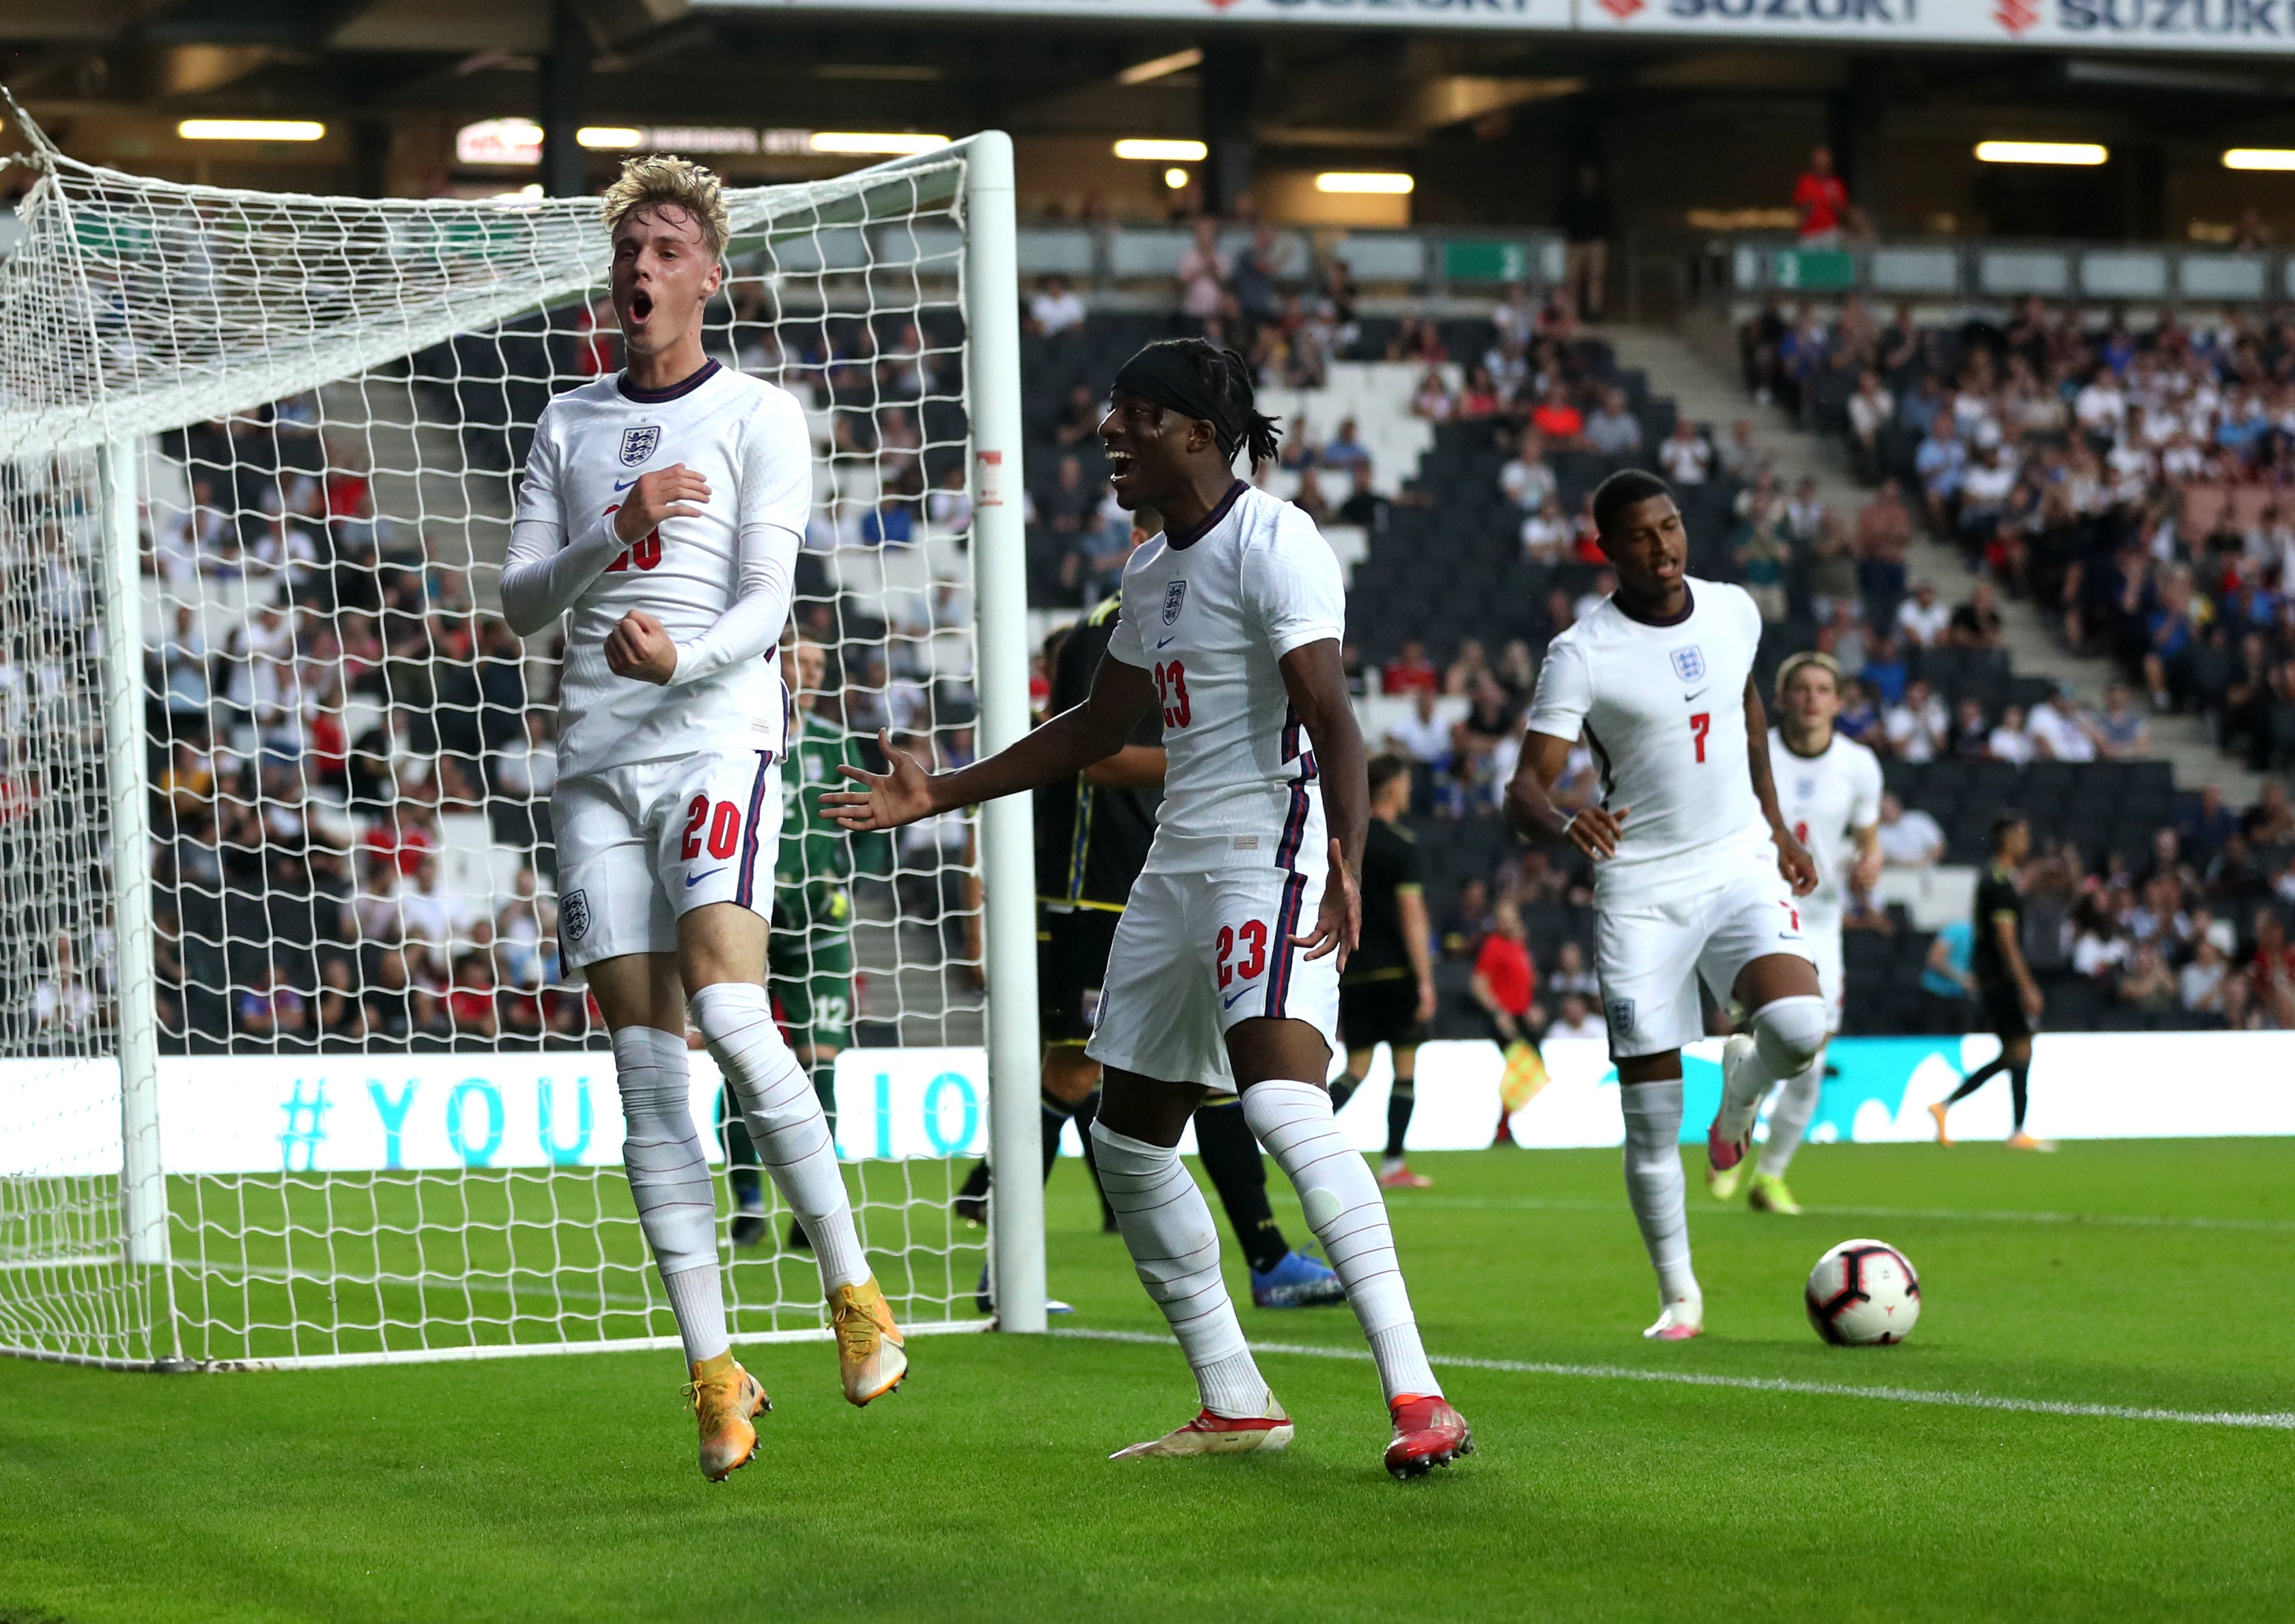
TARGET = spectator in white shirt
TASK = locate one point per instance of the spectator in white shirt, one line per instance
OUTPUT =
(437, 922)
(1547, 533)
(1526, 479)
(2100, 406)
(1922, 618)
(1917, 726)
(1421, 736)
(1735, 455)
(1870, 409)
(2201, 982)
(1574, 1019)
(1055, 308)
(2060, 732)
(1909, 838)
(1685, 456)
(2009, 742)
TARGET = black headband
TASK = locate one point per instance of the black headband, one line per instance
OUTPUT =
(1166, 374)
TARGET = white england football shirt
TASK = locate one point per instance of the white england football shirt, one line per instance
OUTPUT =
(1663, 709)
(1211, 614)
(749, 439)
(1824, 797)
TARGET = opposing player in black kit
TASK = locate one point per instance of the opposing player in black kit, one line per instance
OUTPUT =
(1386, 993)
(1092, 836)
(2005, 987)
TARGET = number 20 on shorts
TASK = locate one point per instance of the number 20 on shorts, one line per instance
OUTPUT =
(724, 828)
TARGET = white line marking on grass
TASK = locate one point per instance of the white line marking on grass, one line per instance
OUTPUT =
(2271, 1420)
(2135, 1220)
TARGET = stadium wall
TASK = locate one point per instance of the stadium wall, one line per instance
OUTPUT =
(349, 1113)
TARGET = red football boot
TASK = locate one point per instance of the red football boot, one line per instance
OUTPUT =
(1427, 1434)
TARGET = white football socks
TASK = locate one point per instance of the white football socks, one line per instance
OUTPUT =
(1348, 1215)
(786, 1122)
(1789, 1118)
(1655, 1184)
(1167, 1228)
(669, 1179)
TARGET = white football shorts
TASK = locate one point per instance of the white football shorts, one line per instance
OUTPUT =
(1649, 959)
(1197, 953)
(640, 846)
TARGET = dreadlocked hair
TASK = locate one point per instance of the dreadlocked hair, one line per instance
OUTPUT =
(1228, 375)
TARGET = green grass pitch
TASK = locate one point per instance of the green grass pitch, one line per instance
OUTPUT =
(2148, 1276)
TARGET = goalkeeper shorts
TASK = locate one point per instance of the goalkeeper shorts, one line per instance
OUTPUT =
(640, 846)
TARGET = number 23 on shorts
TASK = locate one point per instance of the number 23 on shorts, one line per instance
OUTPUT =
(1241, 952)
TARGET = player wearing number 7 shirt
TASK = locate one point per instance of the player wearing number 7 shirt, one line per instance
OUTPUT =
(1696, 872)
(1235, 933)
(661, 511)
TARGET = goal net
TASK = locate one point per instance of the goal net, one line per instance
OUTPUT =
(289, 1070)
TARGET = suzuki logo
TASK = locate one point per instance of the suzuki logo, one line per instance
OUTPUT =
(2015, 15)
(1621, 9)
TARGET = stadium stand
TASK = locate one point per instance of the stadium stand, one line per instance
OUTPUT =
(1449, 454)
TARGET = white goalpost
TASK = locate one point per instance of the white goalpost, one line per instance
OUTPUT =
(290, 1073)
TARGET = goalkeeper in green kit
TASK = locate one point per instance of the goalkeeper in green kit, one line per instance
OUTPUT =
(809, 955)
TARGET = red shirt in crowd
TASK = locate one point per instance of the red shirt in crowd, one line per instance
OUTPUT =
(1407, 677)
(1558, 420)
(1504, 965)
(1822, 201)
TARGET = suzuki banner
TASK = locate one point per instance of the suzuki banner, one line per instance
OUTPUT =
(321, 1113)
(2242, 27)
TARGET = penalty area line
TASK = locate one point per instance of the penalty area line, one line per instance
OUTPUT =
(2265, 1420)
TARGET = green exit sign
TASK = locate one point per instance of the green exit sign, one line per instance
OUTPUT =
(1470, 261)
(1819, 270)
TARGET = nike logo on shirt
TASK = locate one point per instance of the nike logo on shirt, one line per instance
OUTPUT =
(1166, 643)
(1692, 698)
(692, 880)
(624, 485)
(1237, 993)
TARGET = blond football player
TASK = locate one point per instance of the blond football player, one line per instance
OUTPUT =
(661, 514)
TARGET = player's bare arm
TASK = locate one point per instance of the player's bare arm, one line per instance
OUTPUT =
(1317, 682)
(1133, 767)
(1529, 809)
(1794, 861)
(1866, 874)
(1064, 746)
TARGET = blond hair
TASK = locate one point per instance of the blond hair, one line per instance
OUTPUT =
(1798, 663)
(663, 177)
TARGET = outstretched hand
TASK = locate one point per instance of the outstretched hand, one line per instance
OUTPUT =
(1338, 922)
(887, 800)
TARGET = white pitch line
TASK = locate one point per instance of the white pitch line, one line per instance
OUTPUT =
(2267, 1420)
(2136, 1221)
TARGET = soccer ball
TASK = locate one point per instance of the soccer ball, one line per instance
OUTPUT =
(1863, 1295)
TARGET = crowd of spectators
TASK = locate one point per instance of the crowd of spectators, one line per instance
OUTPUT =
(302, 901)
(2139, 486)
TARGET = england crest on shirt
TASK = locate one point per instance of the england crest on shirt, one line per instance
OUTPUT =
(640, 443)
(1175, 599)
(1689, 663)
